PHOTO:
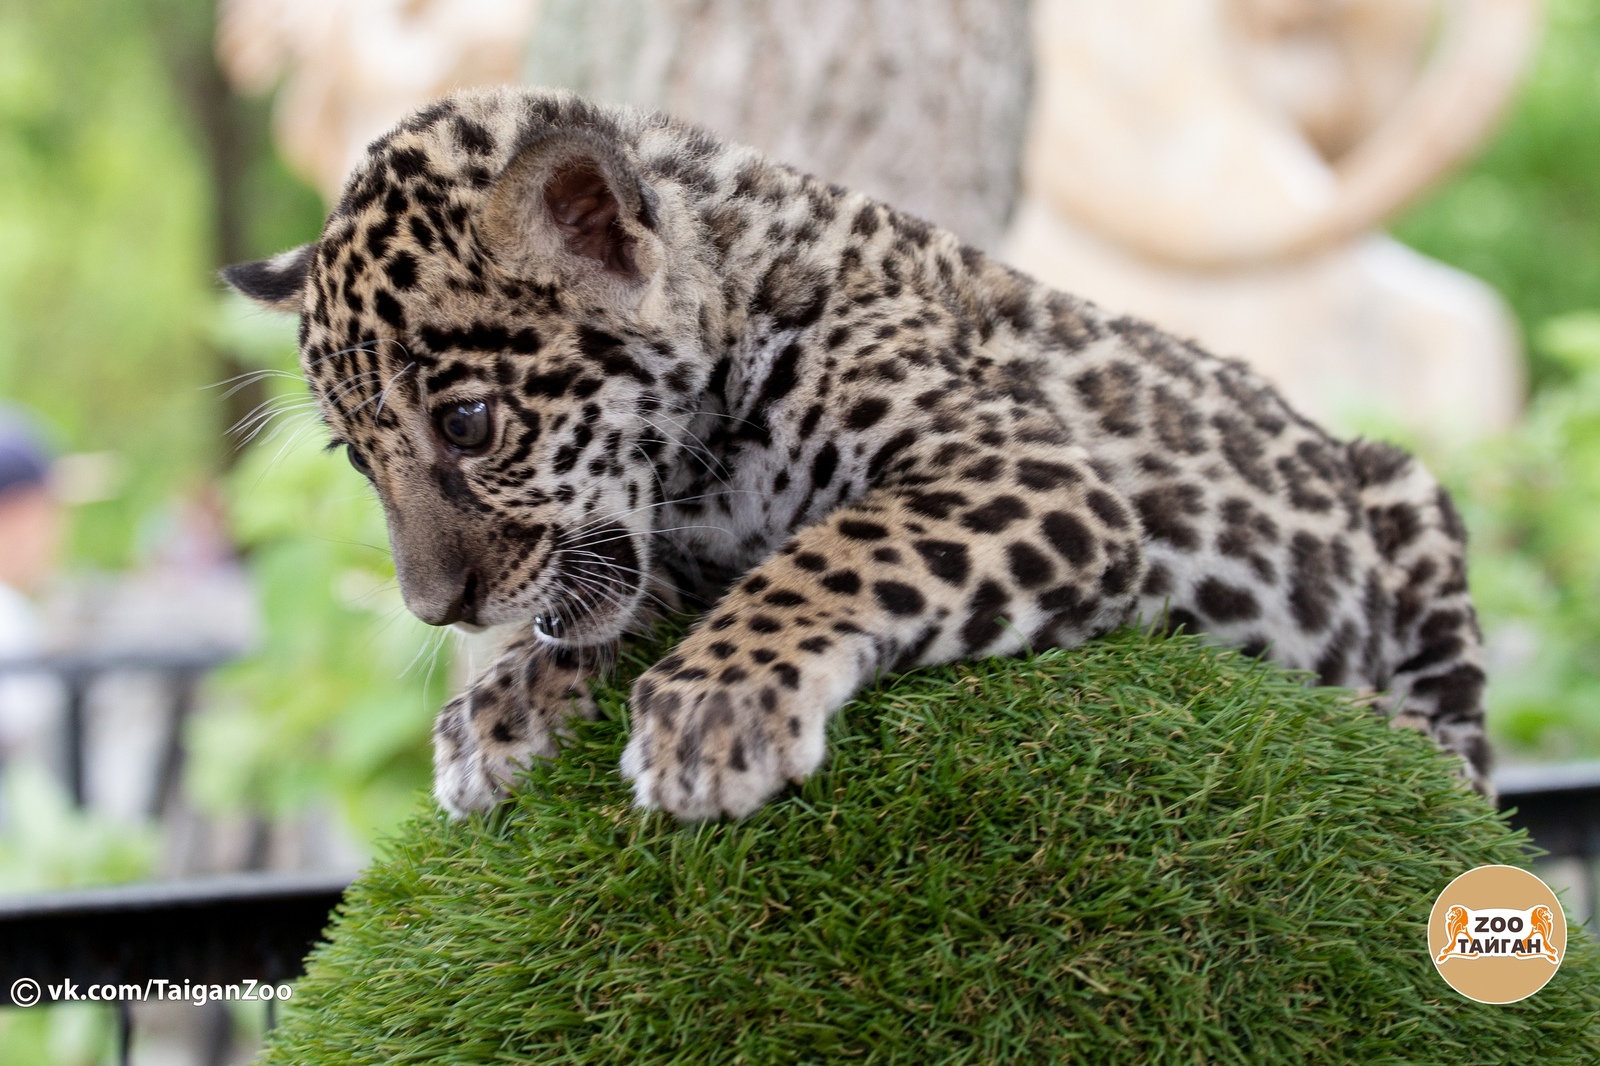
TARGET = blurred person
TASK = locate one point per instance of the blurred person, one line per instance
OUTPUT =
(31, 529)
(30, 519)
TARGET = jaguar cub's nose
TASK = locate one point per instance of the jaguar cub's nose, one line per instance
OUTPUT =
(465, 607)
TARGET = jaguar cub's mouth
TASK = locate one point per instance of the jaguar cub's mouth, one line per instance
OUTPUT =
(574, 621)
(597, 585)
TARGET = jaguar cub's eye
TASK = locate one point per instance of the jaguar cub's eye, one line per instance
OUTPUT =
(465, 425)
(357, 460)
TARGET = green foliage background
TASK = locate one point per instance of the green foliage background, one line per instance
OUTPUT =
(103, 231)
(108, 243)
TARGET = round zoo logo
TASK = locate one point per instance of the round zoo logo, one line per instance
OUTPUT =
(1497, 934)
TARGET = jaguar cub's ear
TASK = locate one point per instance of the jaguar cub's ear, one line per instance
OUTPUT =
(572, 201)
(277, 283)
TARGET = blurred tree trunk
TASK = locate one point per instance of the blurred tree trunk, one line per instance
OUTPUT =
(921, 103)
(232, 134)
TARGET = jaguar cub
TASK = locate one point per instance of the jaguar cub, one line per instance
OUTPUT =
(595, 362)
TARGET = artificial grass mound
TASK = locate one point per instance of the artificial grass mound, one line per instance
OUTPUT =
(1142, 850)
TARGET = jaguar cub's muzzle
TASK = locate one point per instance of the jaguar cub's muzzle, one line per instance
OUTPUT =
(440, 589)
(576, 589)
(445, 574)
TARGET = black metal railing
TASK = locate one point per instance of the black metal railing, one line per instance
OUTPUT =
(59, 935)
(1559, 806)
(151, 943)
(214, 930)
(180, 671)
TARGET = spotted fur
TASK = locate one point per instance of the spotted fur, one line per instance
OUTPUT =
(702, 377)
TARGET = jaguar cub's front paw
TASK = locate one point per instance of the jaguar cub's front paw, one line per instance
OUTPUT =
(466, 777)
(507, 719)
(712, 739)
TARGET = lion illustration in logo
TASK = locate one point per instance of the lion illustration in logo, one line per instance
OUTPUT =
(1455, 920)
(1542, 920)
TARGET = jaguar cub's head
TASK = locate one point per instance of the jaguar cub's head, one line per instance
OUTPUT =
(502, 332)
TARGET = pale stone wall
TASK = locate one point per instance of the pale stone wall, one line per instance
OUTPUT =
(1224, 168)
(921, 103)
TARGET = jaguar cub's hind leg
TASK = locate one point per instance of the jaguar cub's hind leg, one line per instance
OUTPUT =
(1038, 552)
(508, 717)
(1431, 630)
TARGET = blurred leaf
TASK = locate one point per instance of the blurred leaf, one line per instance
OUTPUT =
(1572, 340)
(47, 843)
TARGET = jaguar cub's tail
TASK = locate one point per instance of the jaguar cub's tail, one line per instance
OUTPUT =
(1433, 647)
